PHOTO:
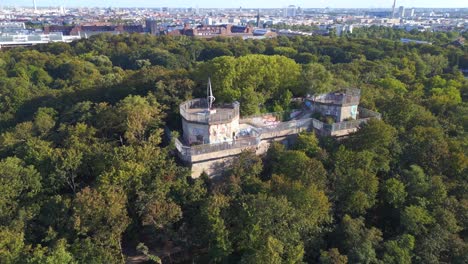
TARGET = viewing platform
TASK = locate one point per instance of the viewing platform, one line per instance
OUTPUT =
(349, 97)
(196, 110)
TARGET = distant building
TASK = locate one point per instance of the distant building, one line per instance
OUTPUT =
(401, 12)
(380, 14)
(34, 39)
(258, 18)
(343, 29)
(12, 27)
(209, 31)
(152, 27)
(405, 40)
(291, 11)
(291, 33)
(263, 32)
(88, 30)
(208, 21)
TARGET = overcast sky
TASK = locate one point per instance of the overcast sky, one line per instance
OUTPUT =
(238, 3)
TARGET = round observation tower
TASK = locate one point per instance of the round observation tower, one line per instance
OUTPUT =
(202, 123)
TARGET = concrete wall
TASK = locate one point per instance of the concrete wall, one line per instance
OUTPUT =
(216, 163)
(210, 134)
(344, 132)
(194, 131)
(340, 112)
(347, 112)
(281, 134)
(224, 132)
(326, 110)
(212, 167)
(261, 121)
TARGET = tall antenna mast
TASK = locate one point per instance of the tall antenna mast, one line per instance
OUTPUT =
(34, 5)
(393, 9)
(209, 93)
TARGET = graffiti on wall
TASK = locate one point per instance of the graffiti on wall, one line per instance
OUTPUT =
(270, 121)
(220, 133)
(354, 110)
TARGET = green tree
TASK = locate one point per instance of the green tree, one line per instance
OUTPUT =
(394, 193)
(359, 243)
(355, 183)
(380, 138)
(311, 202)
(393, 85)
(44, 120)
(315, 79)
(58, 254)
(139, 117)
(19, 186)
(215, 229)
(297, 166)
(415, 219)
(259, 234)
(307, 142)
(399, 250)
(12, 245)
(428, 148)
(251, 79)
(333, 256)
(101, 216)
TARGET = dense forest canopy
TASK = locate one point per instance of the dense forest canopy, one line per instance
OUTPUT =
(88, 175)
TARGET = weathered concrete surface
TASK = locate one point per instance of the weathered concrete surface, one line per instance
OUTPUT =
(216, 163)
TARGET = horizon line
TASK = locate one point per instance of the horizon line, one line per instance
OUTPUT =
(194, 7)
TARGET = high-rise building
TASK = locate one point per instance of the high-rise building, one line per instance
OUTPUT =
(208, 21)
(152, 26)
(409, 12)
(401, 11)
(258, 18)
(341, 29)
(291, 11)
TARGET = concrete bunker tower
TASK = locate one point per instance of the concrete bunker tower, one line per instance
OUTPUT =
(204, 124)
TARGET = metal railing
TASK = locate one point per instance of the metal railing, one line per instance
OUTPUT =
(317, 124)
(184, 151)
(364, 114)
(209, 148)
(351, 96)
(284, 115)
(295, 125)
(225, 112)
(345, 125)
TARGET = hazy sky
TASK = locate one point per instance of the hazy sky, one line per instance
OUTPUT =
(243, 3)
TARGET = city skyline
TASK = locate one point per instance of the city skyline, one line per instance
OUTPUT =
(241, 3)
